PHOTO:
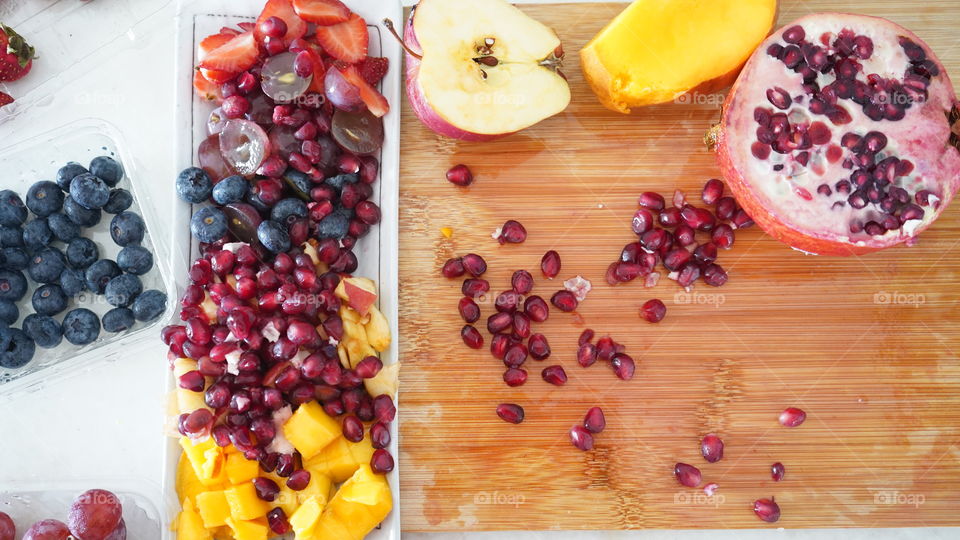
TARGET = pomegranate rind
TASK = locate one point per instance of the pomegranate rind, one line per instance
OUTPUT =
(916, 137)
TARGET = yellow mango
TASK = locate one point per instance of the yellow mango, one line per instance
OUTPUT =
(310, 429)
(189, 401)
(240, 469)
(190, 526)
(248, 529)
(378, 330)
(212, 467)
(330, 527)
(319, 488)
(363, 501)
(244, 503)
(287, 499)
(199, 454)
(209, 308)
(335, 461)
(213, 508)
(362, 452)
(187, 483)
(304, 520)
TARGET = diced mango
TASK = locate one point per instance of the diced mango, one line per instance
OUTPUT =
(335, 460)
(330, 527)
(248, 529)
(209, 308)
(319, 487)
(205, 457)
(244, 503)
(362, 452)
(213, 508)
(363, 502)
(304, 520)
(212, 464)
(310, 429)
(287, 499)
(187, 484)
(240, 469)
(190, 526)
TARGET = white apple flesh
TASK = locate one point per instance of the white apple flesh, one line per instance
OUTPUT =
(459, 97)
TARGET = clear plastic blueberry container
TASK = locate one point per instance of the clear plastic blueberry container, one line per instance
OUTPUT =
(40, 158)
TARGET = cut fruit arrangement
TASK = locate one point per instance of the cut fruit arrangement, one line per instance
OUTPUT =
(284, 406)
(96, 514)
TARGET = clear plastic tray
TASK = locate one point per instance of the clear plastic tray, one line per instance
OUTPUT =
(38, 159)
(377, 252)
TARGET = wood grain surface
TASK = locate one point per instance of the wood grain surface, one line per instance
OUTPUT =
(866, 345)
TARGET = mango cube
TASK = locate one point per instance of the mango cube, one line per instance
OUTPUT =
(244, 503)
(190, 526)
(363, 502)
(240, 469)
(331, 527)
(187, 484)
(310, 429)
(335, 461)
(206, 458)
(318, 487)
(213, 508)
(248, 530)
(288, 500)
(304, 520)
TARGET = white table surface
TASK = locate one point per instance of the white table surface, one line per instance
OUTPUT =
(106, 424)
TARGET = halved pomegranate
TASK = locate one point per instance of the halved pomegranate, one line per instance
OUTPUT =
(842, 135)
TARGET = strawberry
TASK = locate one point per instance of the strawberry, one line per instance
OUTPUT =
(374, 68)
(246, 26)
(346, 41)
(236, 55)
(322, 12)
(5, 99)
(206, 90)
(296, 27)
(210, 44)
(375, 102)
(16, 55)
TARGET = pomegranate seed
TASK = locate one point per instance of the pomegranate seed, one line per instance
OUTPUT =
(712, 191)
(507, 301)
(767, 510)
(539, 347)
(625, 272)
(623, 366)
(474, 264)
(653, 310)
(742, 220)
(792, 417)
(683, 235)
(550, 264)
(536, 308)
(516, 355)
(384, 409)
(581, 438)
(642, 221)
(554, 375)
(521, 326)
(687, 475)
(676, 258)
(285, 465)
(299, 480)
(653, 201)
(471, 336)
(777, 470)
(193, 381)
(474, 287)
(653, 240)
(726, 208)
(722, 236)
(587, 355)
(670, 217)
(508, 412)
(688, 274)
(380, 435)
(565, 301)
(499, 322)
(512, 232)
(714, 275)
(585, 337)
(368, 212)
(705, 253)
(522, 282)
(453, 268)
(679, 198)
(460, 175)
(498, 346)
(266, 489)
(594, 420)
(352, 428)
(700, 219)
(606, 348)
(277, 520)
(469, 310)
(369, 367)
(711, 447)
(333, 408)
(514, 376)
(381, 462)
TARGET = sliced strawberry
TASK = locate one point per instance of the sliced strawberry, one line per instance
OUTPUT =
(229, 31)
(346, 41)
(375, 102)
(205, 89)
(374, 68)
(296, 27)
(322, 12)
(210, 44)
(236, 55)
(246, 26)
(5, 99)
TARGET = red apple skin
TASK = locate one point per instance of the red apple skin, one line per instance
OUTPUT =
(419, 103)
(360, 299)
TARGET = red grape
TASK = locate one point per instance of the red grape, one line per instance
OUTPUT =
(120, 533)
(94, 515)
(48, 529)
(7, 528)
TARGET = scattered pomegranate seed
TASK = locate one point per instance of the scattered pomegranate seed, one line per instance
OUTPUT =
(606, 348)
(767, 510)
(299, 480)
(565, 301)
(642, 221)
(522, 282)
(474, 287)
(499, 322)
(352, 428)
(469, 310)
(514, 376)
(550, 264)
(594, 420)
(723, 236)
(380, 435)
(460, 175)
(554, 375)
(498, 346)
(587, 355)
(474, 264)
(277, 520)
(585, 337)
(471, 336)
(653, 310)
(777, 470)
(369, 367)
(714, 275)
(453, 268)
(653, 201)
(384, 409)
(623, 366)
(712, 191)
(512, 232)
(521, 326)
(581, 438)
(792, 417)
(381, 462)
(508, 301)
(687, 475)
(515, 356)
(536, 308)
(711, 447)
(670, 217)
(539, 347)
(510, 412)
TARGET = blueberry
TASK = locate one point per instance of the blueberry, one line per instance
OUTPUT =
(337, 182)
(63, 228)
(333, 226)
(47, 265)
(127, 228)
(299, 182)
(67, 173)
(83, 217)
(44, 330)
(16, 348)
(149, 305)
(230, 190)
(288, 210)
(100, 273)
(118, 320)
(49, 300)
(107, 169)
(120, 199)
(73, 282)
(11, 236)
(15, 258)
(122, 290)
(44, 198)
(135, 260)
(81, 326)
(273, 236)
(8, 312)
(208, 224)
(194, 185)
(37, 234)
(89, 191)
(82, 252)
(12, 211)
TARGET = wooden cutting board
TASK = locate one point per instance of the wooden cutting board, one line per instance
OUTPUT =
(866, 345)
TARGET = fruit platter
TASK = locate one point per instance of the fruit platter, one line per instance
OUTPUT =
(449, 266)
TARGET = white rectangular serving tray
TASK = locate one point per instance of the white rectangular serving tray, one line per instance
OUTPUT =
(377, 252)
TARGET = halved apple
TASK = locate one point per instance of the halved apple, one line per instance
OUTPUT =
(481, 69)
